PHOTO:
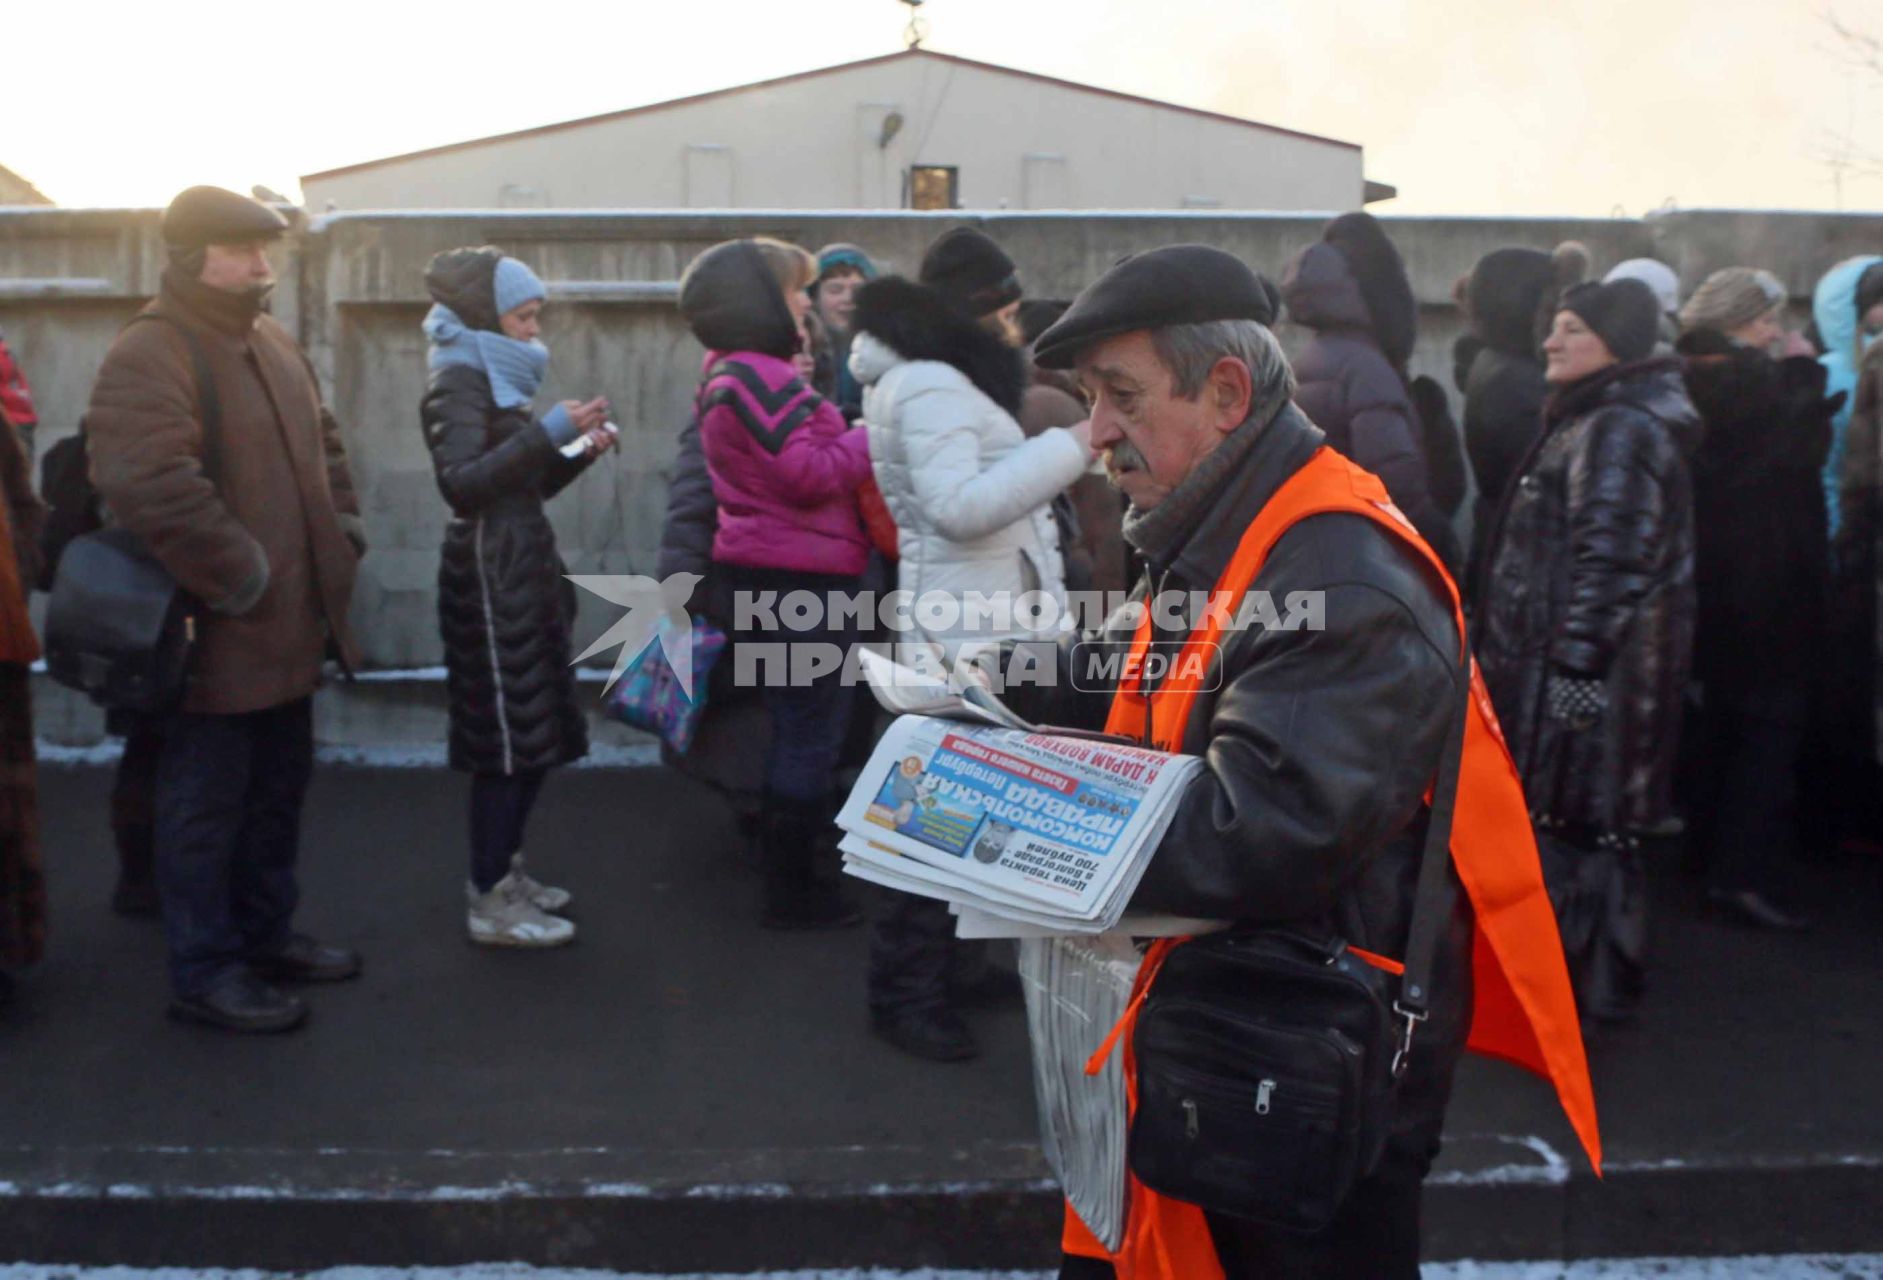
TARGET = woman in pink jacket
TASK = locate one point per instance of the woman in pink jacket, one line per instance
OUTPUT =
(785, 469)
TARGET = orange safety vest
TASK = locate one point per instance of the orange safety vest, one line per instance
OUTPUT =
(1524, 1011)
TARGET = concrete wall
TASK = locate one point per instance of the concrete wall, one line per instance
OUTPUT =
(351, 288)
(812, 142)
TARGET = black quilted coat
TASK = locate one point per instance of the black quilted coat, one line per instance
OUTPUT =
(503, 605)
(1592, 574)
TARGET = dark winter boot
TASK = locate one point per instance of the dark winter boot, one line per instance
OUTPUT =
(936, 1034)
(795, 898)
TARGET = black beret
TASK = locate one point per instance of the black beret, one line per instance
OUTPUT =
(1623, 313)
(1179, 284)
(209, 215)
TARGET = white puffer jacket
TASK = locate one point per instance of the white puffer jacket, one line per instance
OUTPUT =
(969, 491)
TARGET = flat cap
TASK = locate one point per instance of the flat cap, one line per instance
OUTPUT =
(1178, 284)
(210, 215)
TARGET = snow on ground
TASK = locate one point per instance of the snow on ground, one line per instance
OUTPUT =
(1867, 1266)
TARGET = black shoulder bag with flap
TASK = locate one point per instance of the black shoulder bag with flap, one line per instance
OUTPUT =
(118, 627)
(1268, 1060)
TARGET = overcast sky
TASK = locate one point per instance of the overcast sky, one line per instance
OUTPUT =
(1467, 106)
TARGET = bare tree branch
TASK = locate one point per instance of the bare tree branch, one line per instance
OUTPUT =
(1861, 49)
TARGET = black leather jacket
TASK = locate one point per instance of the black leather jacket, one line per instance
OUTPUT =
(1592, 575)
(1319, 745)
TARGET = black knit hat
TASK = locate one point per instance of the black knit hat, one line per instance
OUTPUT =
(209, 215)
(1179, 284)
(1624, 314)
(973, 273)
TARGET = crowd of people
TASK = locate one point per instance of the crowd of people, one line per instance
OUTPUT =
(1670, 580)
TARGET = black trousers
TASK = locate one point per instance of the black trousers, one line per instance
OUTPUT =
(228, 819)
(1747, 792)
(1375, 1237)
(500, 808)
(134, 799)
(912, 954)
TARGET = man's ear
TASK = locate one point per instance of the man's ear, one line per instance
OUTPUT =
(1229, 392)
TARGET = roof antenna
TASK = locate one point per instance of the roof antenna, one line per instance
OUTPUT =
(917, 30)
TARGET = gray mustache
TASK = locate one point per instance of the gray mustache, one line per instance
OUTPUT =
(1124, 456)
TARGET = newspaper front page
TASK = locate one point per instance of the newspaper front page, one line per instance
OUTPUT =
(1056, 830)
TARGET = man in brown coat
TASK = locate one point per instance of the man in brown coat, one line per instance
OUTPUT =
(269, 543)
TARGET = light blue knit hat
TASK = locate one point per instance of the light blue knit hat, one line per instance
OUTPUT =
(514, 284)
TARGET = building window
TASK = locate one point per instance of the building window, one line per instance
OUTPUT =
(934, 186)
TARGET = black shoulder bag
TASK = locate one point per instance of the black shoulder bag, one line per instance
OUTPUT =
(1267, 1061)
(118, 627)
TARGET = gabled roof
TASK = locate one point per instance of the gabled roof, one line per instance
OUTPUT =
(902, 55)
(28, 193)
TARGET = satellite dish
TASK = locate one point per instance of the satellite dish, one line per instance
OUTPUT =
(892, 125)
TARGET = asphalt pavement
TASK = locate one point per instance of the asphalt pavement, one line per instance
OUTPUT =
(683, 1091)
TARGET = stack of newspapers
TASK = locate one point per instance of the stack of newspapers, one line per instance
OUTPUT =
(1077, 988)
(1040, 834)
(1024, 830)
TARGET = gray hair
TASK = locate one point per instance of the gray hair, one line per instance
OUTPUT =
(1190, 351)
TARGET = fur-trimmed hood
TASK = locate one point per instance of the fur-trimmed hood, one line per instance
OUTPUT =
(914, 323)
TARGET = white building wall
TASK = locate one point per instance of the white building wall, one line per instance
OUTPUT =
(812, 142)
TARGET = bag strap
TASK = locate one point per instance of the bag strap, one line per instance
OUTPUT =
(1432, 900)
(206, 397)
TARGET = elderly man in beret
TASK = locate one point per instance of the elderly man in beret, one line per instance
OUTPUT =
(1320, 739)
(261, 524)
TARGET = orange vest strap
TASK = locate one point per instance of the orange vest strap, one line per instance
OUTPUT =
(1394, 967)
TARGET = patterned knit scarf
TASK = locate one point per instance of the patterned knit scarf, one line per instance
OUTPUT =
(515, 369)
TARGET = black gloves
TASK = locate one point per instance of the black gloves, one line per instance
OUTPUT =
(1575, 701)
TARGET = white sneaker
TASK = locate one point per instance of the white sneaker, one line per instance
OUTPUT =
(505, 917)
(546, 896)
